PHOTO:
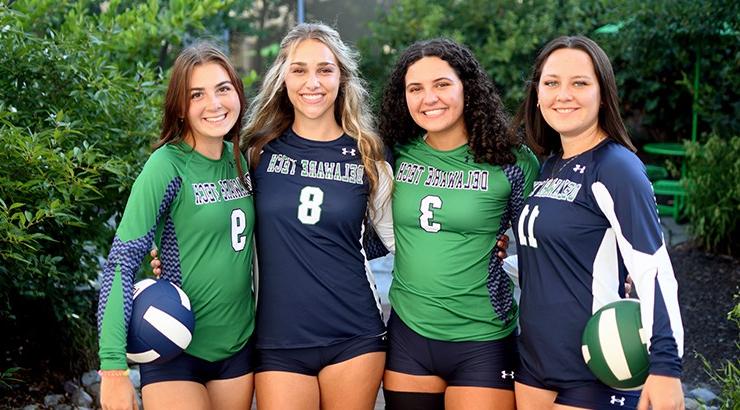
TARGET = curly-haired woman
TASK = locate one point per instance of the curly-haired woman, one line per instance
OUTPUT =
(460, 178)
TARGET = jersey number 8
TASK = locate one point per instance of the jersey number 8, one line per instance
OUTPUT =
(309, 211)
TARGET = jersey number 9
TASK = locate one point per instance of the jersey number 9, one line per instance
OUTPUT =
(238, 225)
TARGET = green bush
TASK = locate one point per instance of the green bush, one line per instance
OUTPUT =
(713, 187)
(505, 36)
(654, 53)
(652, 45)
(80, 91)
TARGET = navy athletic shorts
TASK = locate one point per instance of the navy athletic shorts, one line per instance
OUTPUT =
(311, 360)
(590, 395)
(478, 364)
(190, 368)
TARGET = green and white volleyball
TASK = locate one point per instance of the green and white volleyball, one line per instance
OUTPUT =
(614, 345)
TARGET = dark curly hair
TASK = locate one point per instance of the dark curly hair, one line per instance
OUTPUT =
(486, 121)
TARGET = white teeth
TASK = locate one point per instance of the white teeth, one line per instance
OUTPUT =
(216, 119)
(311, 97)
(432, 113)
(565, 110)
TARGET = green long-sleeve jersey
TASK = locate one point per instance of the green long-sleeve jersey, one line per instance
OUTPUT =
(447, 213)
(201, 218)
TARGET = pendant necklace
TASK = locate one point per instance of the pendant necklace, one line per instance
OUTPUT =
(557, 159)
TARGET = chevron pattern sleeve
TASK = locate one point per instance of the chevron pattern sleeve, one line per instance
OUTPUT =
(151, 197)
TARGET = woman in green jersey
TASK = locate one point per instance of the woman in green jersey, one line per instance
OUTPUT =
(207, 243)
(460, 178)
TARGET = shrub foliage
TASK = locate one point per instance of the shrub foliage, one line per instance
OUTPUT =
(713, 189)
(80, 91)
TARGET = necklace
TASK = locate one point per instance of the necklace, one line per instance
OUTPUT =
(553, 173)
(599, 138)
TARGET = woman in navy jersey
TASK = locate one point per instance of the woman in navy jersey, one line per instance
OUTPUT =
(590, 221)
(460, 178)
(319, 174)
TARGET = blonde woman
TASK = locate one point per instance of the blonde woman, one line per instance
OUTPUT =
(319, 172)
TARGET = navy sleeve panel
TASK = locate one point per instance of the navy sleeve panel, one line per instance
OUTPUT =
(127, 257)
(170, 253)
(372, 240)
(634, 202)
(374, 247)
(123, 261)
(499, 286)
(624, 195)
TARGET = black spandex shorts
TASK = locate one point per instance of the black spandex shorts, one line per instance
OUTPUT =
(478, 364)
(190, 368)
(593, 395)
(311, 360)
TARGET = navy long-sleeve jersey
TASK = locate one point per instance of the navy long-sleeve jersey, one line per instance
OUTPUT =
(588, 223)
(315, 286)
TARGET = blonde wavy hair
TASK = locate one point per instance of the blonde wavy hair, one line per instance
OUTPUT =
(271, 112)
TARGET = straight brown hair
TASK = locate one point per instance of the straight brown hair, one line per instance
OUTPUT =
(540, 136)
(175, 124)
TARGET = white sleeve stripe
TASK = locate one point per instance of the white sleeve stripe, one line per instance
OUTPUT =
(605, 282)
(643, 269)
(381, 213)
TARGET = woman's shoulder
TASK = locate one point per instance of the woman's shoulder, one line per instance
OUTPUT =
(165, 155)
(614, 156)
(616, 163)
(524, 153)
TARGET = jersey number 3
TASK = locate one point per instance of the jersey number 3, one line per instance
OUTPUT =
(428, 203)
(309, 211)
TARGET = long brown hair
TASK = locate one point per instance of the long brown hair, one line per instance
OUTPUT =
(175, 124)
(540, 136)
(486, 121)
(271, 112)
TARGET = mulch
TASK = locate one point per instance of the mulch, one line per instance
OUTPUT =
(706, 288)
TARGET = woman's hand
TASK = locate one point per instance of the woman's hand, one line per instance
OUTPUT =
(117, 393)
(156, 264)
(661, 393)
(628, 286)
(502, 243)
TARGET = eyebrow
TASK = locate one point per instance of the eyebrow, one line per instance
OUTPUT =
(585, 77)
(433, 81)
(216, 86)
(322, 64)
